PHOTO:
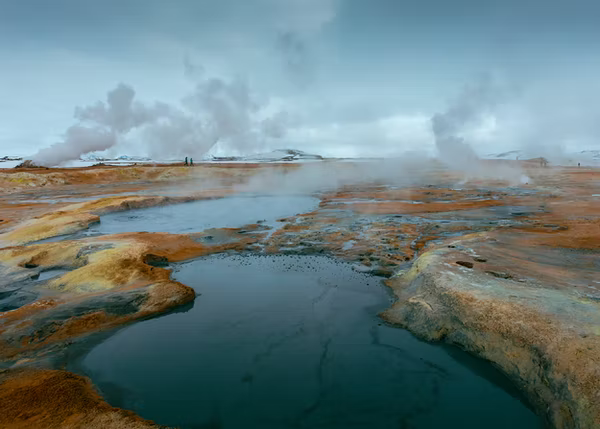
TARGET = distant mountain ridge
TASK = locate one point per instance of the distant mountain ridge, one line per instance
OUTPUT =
(585, 157)
(98, 158)
(279, 155)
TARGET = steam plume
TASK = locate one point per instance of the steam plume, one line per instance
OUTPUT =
(78, 141)
(475, 102)
(100, 126)
(299, 22)
(215, 111)
(296, 58)
(469, 108)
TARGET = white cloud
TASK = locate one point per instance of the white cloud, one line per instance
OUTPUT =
(372, 93)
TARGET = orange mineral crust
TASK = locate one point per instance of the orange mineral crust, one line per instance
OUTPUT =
(58, 399)
(508, 271)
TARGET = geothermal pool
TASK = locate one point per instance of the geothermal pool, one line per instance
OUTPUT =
(196, 216)
(293, 342)
(199, 215)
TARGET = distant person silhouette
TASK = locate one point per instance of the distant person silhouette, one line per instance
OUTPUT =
(192, 162)
(185, 163)
(579, 164)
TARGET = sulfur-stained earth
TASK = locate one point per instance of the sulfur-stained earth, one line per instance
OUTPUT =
(509, 273)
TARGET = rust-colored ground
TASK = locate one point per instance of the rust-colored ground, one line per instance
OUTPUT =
(19, 179)
(58, 399)
(510, 273)
(122, 264)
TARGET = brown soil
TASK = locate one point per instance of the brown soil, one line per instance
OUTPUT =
(58, 399)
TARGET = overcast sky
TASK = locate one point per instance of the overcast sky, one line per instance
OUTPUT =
(353, 77)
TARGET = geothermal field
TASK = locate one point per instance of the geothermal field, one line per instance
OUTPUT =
(379, 294)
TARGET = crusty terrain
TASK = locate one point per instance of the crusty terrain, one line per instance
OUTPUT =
(111, 281)
(509, 273)
(23, 179)
(58, 399)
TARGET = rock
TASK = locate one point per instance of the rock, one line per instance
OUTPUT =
(382, 272)
(28, 164)
(499, 275)
(155, 260)
(526, 331)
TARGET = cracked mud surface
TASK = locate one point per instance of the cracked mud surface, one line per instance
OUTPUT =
(508, 273)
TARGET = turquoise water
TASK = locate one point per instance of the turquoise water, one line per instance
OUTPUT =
(196, 216)
(294, 342)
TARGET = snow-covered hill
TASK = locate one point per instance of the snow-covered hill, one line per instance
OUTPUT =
(591, 154)
(585, 157)
(10, 161)
(279, 155)
(126, 158)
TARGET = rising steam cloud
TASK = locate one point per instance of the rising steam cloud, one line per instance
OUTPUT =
(299, 23)
(215, 111)
(295, 55)
(474, 102)
(100, 125)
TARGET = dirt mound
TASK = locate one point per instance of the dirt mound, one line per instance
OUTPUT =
(29, 164)
(52, 399)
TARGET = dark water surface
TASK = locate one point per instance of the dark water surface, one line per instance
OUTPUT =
(294, 342)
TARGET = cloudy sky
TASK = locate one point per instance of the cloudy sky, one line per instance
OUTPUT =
(336, 77)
